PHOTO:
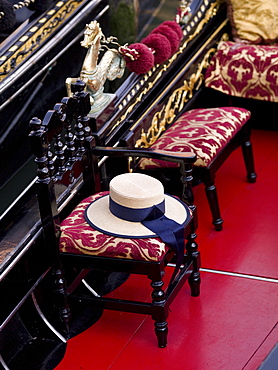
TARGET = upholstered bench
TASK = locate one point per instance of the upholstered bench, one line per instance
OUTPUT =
(212, 134)
(244, 70)
(247, 65)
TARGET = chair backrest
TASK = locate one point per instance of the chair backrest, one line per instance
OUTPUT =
(61, 143)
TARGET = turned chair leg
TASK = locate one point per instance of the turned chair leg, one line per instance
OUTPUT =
(248, 157)
(160, 313)
(212, 198)
(60, 291)
(194, 279)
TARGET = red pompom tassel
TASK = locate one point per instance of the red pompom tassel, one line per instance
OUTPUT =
(160, 45)
(170, 35)
(139, 58)
(175, 27)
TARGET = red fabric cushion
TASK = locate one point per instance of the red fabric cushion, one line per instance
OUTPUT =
(78, 237)
(202, 131)
(248, 71)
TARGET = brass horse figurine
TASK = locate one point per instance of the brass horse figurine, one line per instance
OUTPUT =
(111, 66)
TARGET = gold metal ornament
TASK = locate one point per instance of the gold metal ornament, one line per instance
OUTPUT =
(94, 74)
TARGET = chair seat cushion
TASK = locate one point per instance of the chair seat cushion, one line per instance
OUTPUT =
(244, 70)
(78, 237)
(202, 131)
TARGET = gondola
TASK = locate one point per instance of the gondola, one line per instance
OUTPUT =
(34, 54)
(38, 54)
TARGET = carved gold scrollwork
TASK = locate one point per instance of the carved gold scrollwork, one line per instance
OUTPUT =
(210, 13)
(37, 35)
(175, 104)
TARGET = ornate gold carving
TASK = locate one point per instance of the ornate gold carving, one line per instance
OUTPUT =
(35, 36)
(174, 105)
(211, 12)
(225, 37)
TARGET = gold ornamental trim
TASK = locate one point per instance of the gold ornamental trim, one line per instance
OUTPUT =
(210, 13)
(36, 35)
(175, 104)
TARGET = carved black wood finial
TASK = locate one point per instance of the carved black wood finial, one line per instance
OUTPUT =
(39, 146)
(78, 86)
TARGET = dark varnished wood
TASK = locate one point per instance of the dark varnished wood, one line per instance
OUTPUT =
(84, 153)
(33, 69)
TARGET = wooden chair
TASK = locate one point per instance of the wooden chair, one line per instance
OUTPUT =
(69, 172)
(212, 134)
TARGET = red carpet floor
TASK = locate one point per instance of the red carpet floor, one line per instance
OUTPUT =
(233, 324)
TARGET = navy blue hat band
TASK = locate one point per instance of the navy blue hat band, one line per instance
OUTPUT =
(132, 214)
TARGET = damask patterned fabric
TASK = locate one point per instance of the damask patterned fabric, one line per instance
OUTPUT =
(78, 237)
(248, 71)
(202, 131)
(254, 21)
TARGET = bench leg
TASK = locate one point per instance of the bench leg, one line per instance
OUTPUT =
(248, 157)
(214, 205)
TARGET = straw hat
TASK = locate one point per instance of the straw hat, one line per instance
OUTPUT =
(132, 200)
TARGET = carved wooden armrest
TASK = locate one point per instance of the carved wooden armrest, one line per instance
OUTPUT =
(186, 160)
(164, 155)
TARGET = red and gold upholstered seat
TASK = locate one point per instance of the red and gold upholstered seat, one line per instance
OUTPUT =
(204, 131)
(247, 66)
(212, 134)
(245, 70)
(78, 237)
